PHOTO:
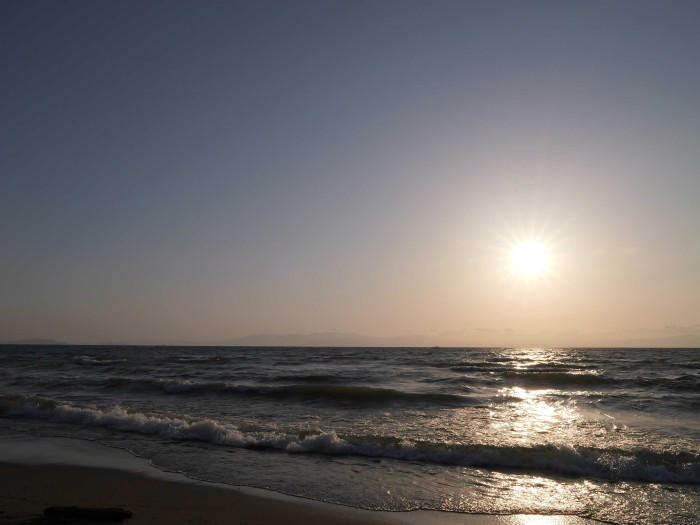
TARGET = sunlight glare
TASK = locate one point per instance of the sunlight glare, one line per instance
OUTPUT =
(529, 259)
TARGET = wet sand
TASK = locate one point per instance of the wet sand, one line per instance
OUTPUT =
(26, 490)
(36, 473)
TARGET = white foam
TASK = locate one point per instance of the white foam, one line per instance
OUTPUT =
(91, 360)
(643, 465)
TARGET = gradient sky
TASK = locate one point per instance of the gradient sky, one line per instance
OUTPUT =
(203, 171)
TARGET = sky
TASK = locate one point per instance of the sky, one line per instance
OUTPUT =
(205, 172)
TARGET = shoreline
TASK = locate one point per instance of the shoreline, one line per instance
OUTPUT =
(36, 473)
(26, 490)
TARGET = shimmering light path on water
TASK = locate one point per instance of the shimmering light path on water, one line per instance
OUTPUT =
(604, 433)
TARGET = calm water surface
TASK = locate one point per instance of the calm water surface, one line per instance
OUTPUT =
(612, 434)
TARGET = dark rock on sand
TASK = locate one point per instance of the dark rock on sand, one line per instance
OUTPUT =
(81, 515)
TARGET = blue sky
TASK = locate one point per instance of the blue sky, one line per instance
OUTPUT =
(205, 171)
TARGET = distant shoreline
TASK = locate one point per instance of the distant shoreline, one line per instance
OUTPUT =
(426, 347)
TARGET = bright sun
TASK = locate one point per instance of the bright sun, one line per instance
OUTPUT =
(529, 259)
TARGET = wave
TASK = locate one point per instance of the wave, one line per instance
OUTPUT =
(200, 359)
(687, 382)
(507, 367)
(92, 360)
(307, 378)
(168, 386)
(611, 464)
(474, 368)
(558, 378)
(321, 392)
(369, 394)
(683, 383)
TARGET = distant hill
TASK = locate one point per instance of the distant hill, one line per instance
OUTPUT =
(327, 339)
(34, 342)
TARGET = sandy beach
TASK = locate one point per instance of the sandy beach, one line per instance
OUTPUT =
(26, 490)
(36, 473)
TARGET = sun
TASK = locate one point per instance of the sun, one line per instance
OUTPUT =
(529, 259)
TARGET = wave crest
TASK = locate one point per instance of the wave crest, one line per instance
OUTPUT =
(330, 393)
(611, 464)
(557, 378)
(92, 360)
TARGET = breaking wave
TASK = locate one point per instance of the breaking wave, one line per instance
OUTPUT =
(308, 378)
(316, 391)
(557, 378)
(611, 464)
(92, 360)
(687, 382)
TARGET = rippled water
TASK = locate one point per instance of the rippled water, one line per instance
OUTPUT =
(606, 433)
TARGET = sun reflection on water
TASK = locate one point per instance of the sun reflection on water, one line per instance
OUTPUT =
(530, 413)
(541, 520)
(551, 411)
